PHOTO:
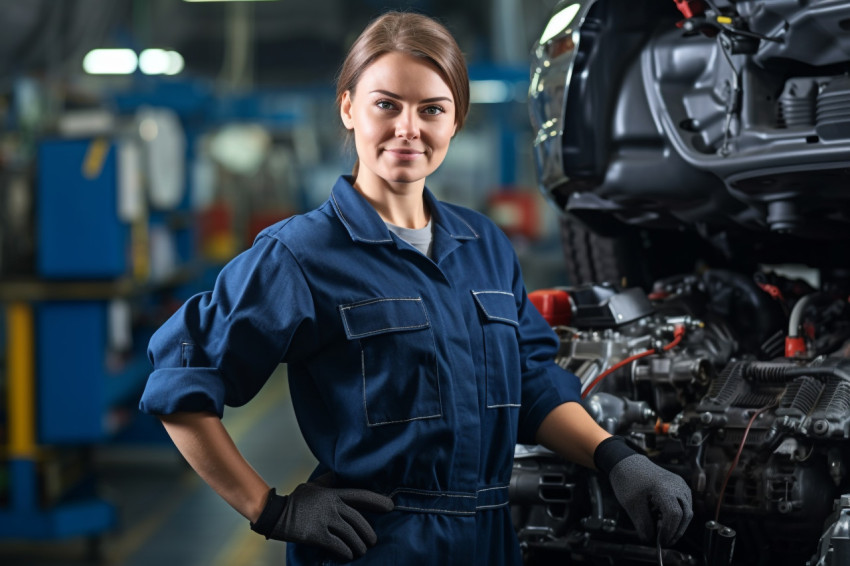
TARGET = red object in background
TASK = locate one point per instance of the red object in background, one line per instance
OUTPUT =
(516, 212)
(216, 240)
(214, 221)
(554, 305)
(691, 8)
(794, 346)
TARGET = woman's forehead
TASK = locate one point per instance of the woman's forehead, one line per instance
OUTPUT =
(397, 71)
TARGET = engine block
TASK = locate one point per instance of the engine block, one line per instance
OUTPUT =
(762, 442)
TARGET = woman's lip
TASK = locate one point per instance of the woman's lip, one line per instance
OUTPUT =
(408, 154)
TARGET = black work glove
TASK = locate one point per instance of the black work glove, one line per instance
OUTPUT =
(652, 496)
(322, 516)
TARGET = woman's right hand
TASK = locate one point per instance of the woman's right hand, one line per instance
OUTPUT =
(323, 516)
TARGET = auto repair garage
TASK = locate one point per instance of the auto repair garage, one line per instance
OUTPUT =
(541, 282)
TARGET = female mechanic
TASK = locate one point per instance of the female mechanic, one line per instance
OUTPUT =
(415, 360)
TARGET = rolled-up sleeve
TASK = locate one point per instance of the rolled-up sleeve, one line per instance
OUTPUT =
(545, 385)
(221, 346)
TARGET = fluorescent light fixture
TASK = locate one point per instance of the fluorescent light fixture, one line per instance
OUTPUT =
(175, 63)
(489, 92)
(559, 22)
(153, 61)
(110, 62)
(160, 62)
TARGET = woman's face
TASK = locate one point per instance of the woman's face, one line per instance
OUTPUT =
(403, 118)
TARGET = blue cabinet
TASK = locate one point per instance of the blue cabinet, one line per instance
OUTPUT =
(80, 234)
(81, 398)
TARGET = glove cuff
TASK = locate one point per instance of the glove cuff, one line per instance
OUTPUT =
(274, 508)
(611, 452)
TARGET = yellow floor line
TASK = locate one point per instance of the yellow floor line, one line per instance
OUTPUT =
(243, 548)
(135, 537)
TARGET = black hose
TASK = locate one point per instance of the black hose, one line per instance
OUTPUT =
(778, 372)
(754, 315)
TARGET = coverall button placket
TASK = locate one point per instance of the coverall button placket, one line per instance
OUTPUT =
(466, 410)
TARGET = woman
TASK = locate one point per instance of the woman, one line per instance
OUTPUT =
(416, 361)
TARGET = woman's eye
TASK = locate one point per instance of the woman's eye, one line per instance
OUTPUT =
(385, 105)
(433, 110)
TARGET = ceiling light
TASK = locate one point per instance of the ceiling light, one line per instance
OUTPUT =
(110, 62)
(160, 62)
(175, 63)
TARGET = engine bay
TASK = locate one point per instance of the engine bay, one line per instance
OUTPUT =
(739, 385)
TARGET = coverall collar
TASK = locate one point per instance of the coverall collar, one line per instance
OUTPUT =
(364, 224)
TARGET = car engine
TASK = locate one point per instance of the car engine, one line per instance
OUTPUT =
(699, 151)
(695, 374)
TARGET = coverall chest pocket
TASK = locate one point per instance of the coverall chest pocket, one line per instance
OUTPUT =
(398, 359)
(498, 315)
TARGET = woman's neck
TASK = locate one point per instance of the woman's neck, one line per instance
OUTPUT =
(401, 204)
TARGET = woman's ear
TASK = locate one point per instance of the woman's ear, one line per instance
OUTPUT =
(345, 110)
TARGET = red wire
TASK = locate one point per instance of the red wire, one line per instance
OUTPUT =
(614, 368)
(678, 334)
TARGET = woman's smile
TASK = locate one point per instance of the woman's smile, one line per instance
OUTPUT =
(404, 154)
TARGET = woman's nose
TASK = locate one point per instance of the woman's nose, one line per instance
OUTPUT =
(407, 126)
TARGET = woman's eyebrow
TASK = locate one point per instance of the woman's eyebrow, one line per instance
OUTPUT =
(426, 101)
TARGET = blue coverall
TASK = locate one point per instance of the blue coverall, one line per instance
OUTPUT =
(409, 376)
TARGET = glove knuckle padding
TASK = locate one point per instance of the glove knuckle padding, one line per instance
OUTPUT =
(641, 487)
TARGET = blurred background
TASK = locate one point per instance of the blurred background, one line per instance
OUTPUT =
(143, 143)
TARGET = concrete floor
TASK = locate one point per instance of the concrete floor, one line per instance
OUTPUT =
(168, 516)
